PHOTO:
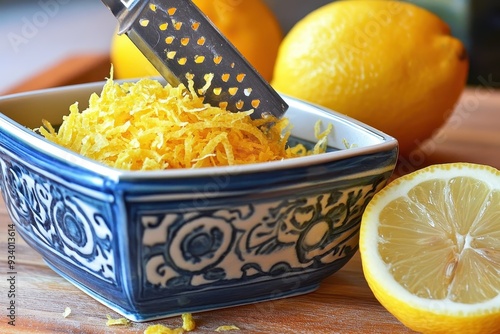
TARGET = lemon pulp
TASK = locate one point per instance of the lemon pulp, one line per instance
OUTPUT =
(430, 248)
(438, 230)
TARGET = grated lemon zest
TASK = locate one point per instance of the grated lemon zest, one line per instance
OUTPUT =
(67, 312)
(188, 323)
(144, 125)
(117, 322)
(226, 328)
(161, 329)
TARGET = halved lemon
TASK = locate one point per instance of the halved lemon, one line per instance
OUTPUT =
(430, 248)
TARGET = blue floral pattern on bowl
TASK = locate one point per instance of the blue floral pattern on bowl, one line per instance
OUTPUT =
(221, 245)
(151, 245)
(70, 225)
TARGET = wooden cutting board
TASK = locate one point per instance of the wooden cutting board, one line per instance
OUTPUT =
(343, 303)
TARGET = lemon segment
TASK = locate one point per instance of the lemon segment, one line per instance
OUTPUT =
(430, 248)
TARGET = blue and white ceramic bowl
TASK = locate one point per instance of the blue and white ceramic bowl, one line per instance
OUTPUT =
(159, 243)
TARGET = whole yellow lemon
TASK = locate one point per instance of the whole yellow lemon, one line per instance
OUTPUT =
(249, 25)
(389, 64)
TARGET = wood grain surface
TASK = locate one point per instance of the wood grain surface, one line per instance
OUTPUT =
(342, 304)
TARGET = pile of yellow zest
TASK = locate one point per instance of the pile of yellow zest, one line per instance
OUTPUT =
(144, 125)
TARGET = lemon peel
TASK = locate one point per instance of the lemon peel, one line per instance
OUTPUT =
(145, 125)
(390, 64)
(117, 322)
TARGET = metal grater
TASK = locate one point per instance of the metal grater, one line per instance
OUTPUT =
(179, 40)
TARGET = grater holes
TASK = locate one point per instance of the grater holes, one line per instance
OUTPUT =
(195, 25)
(201, 41)
(171, 54)
(240, 77)
(239, 105)
(169, 39)
(153, 7)
(217, 60)
(231, 88)
(177, 24)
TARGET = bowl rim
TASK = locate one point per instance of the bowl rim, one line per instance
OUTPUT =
(60, 153)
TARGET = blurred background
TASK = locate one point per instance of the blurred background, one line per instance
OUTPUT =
(39, 34)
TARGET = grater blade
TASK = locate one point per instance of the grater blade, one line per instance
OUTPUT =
(180, 41)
